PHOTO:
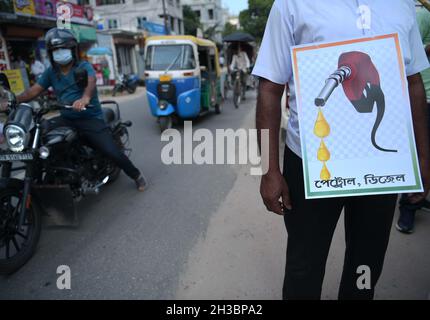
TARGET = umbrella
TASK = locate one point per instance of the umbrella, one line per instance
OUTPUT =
(99, 51)
(239, 37)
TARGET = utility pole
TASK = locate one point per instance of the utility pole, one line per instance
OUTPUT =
(166, 22)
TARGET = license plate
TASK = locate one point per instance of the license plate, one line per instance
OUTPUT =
(16, 156)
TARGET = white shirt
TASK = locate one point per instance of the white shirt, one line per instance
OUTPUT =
(294, 22)
(37, 68)
(240, 62)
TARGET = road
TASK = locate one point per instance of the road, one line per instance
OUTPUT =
(198, 232)
(130, 244)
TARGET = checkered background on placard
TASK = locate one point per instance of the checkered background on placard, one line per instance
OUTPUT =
(350, 136)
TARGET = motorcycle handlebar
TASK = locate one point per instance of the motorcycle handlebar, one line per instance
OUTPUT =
(58, 105)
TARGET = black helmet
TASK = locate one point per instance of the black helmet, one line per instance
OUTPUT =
(61, 39)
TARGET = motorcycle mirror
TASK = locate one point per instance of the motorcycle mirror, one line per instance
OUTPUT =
(4, 81)
(81, 78)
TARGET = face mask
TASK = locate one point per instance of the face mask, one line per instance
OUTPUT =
(62, 56)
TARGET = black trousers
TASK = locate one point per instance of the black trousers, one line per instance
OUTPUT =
(310, 226)
(97, 134)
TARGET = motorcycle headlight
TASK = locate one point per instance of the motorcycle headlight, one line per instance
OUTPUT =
(15, 138)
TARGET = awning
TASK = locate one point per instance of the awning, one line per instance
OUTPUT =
(84, 33)
(99, 51)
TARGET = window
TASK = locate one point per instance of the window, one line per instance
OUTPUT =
(172, 23)
(177, 57)
(106, 2)
(198, 14)
(211, 14)
(113, 24)
(141, 22)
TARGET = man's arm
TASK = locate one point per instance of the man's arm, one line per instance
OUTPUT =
(421, 127)
(233, 63)
(30, 94)
(86, 97)
(273, 185)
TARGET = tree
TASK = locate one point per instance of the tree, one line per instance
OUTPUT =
(253, 20)
(191, 21)
(229, 29)
(211, 32)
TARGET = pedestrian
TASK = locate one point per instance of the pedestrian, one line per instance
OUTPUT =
(106, 73)
(37, 67)
(311, 223)
(408, 210)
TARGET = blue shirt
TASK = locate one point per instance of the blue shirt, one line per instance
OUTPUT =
(295, 22)
(67, 92)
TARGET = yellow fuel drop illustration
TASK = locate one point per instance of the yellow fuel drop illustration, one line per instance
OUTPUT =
(322, 130)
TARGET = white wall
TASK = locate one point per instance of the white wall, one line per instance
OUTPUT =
(127, 14)
(204, 6)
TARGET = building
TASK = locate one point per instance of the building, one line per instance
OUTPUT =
(23, 24)
(211, 14)
(139, 15)
(123, 25)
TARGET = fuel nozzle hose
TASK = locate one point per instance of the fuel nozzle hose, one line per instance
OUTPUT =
(361, 84)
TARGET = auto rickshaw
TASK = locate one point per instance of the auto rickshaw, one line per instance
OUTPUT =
(182, 76)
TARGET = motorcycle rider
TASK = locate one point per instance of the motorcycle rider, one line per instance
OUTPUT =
(240, 62)
(62, 49)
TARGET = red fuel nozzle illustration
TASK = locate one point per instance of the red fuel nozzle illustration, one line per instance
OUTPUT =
(361, 84)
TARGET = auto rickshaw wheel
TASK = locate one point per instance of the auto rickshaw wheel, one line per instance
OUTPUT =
(165, 123)
(218, 108)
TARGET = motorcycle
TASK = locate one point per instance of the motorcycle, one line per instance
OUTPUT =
(126, 82)
(59, 170)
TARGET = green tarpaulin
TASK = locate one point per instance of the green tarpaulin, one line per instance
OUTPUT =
(84, 33)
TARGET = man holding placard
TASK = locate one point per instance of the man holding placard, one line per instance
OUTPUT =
(345, 156)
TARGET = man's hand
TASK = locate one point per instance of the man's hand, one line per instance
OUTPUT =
(79, 105)
(273, 187)
(268, 117)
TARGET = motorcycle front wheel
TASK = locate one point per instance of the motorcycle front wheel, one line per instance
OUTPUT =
(165, 123)
(131, 90)
(116, 89)
(16, 246)
(237, 94)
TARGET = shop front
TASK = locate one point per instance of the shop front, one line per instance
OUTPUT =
(124, 47)
(23, 25)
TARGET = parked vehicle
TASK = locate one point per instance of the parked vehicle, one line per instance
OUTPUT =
(182, 75)
(58, 170)
(127, 83)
